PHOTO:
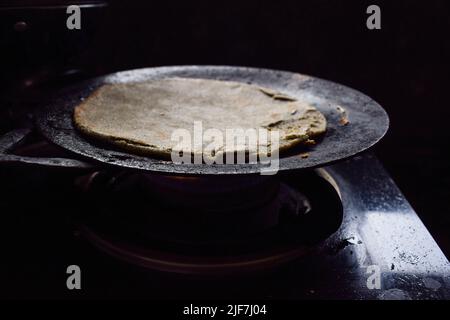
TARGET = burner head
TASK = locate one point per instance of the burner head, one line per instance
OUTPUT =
(164, 222)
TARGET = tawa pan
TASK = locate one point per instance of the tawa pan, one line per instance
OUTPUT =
(368, 122)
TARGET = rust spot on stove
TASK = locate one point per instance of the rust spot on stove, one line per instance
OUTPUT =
(304, 155)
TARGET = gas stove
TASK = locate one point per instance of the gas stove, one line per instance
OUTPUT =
(340, 231)
(343, 231)
(334, 231)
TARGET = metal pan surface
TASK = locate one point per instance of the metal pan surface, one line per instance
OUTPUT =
(368, 122)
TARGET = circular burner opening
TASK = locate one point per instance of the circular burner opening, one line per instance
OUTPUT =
(210, 225)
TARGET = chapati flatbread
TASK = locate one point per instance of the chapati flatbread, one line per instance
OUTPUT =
(141, 117)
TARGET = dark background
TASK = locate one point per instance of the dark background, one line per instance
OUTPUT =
(403, 66)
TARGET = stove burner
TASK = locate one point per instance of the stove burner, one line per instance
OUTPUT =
(181, 225)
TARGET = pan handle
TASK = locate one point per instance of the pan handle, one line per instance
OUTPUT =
(14, 138)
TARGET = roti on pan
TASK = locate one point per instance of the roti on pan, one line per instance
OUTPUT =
(141, 117)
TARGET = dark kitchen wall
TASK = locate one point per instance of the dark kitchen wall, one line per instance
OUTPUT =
(404, 66)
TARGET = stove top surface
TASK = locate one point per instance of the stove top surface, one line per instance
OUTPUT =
(381, 250)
